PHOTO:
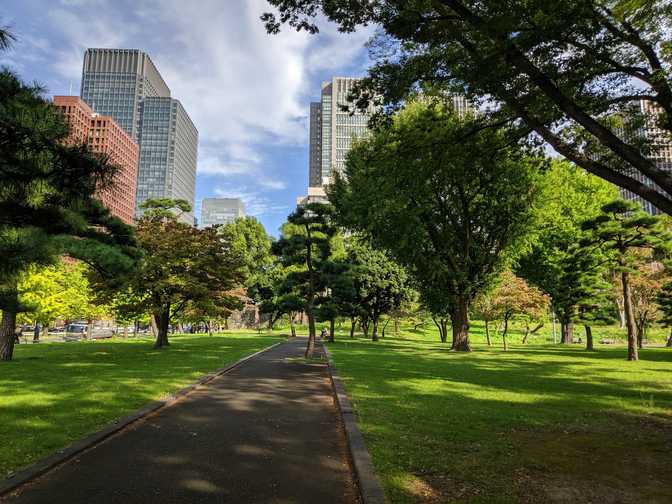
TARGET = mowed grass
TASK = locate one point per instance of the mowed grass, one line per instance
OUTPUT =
(539, 423)
(56, 393)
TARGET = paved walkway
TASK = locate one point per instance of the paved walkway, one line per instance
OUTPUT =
(268, 431)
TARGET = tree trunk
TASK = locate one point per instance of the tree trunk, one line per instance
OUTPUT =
(527, 333)
(567, 330)
(487, 333)
(460, 321)
(89, 329)
(163, 325)
(621, 312)
(669, 340)
(153, 325)
(443, 329)
(364, 324)
(589, 338)
(374, 331)
(504, 332)
(396, 327)
(292, 327)
(629, 318)
(384, 327)
(7, 335)
(331, 331)
(310, 347)
(353, 322)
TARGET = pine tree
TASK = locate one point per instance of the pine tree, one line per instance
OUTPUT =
(306, 243)
(621, 228)
(47, 200)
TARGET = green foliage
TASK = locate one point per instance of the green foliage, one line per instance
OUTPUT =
(571, 71)
(542, 410)
(47, 205)
(621, 228)
(448, 200)
(374, 284)
(249, 238)
(306, 245)
(63, 392)
(183, 267)
(553, 263)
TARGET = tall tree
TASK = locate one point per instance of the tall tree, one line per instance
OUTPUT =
(182, 266)
(380, 283)
(570, 70)
(446, 202)
(307, 243)
(47, 205)
(621, 228)
(568, 197)
(248, 236)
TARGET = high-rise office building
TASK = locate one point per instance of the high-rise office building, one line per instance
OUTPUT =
(315, 146)
(102, 134)
(332, 131)
(125, 84)
(216, 211)
(339, 127)
(115, 81)
(168, 154)
(660, 144)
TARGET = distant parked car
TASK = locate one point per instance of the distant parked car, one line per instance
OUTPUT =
(75, 332)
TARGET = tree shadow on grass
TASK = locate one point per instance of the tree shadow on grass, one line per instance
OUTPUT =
(460, 416)
(56, 393)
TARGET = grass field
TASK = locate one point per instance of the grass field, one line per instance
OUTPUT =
(540, 423)
(53, 394)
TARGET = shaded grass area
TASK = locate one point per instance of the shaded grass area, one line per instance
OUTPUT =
(54, 394)
(540, 423)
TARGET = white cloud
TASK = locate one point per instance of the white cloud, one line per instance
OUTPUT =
(245, 90)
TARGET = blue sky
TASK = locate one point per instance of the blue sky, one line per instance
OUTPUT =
(247, 92)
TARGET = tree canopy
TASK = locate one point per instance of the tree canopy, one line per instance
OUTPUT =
(446, 202)
(580, 74)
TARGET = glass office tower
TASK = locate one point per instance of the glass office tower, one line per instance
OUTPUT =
(168, 154)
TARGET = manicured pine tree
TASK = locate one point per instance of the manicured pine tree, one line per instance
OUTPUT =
(621, 228)
(47, 200)
(306, 243)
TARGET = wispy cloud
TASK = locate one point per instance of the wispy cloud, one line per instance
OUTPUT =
(246, 91)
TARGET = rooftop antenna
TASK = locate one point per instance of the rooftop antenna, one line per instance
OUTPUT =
(70, 93)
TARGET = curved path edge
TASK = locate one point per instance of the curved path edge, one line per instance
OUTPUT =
(370, 488)
(61, 456)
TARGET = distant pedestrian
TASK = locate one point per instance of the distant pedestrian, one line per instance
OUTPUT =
(323, 334)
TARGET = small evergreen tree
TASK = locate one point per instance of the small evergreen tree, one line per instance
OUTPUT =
(621, 228)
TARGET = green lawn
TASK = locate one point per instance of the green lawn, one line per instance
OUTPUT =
(53, 394)
(540, 423)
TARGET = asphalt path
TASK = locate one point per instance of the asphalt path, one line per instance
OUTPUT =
(267, 431)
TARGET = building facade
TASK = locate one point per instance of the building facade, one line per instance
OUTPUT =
(315, 146)
(103, 135)
(168, 154)
(215, 211)
(334, 124)
(339, 127)
(125, 84)
(115, 81)
(659, 143)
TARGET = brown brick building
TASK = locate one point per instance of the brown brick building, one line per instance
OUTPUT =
(104, 135)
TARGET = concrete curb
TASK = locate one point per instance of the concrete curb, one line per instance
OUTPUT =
(46, 464)
(370, 488)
